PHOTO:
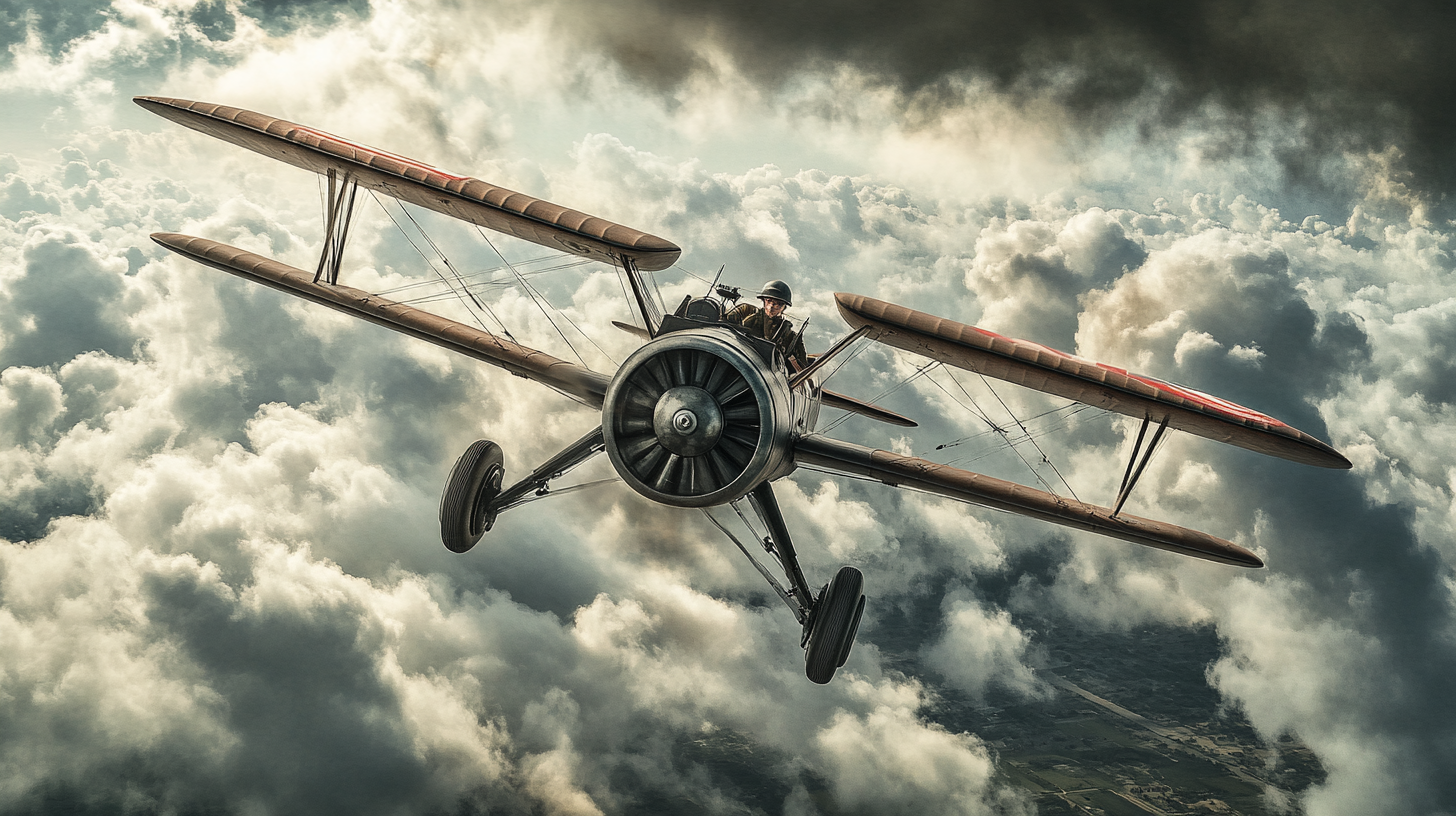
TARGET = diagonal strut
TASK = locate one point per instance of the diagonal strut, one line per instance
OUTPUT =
(338, 215)
(1130, 476)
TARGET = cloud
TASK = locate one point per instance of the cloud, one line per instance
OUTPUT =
(1341, 78)
(220, 566)
(62, 303)
(980, 647)
(1317, 679)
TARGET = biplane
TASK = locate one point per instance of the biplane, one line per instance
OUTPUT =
(704, 414)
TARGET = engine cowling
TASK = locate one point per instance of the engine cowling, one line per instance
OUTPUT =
(695, 419)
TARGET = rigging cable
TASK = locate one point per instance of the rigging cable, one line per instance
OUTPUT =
(1005, 437)
(875, 399)
(437, 272)
(431, 297)
(487, 282)
(532, 293)
(1034, 444)
(691, 275)
(1069, 410)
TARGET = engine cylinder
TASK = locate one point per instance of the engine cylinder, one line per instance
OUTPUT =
(695, 419)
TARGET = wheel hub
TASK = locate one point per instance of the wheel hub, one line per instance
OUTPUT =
(687, 420)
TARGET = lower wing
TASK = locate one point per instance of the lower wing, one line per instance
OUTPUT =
(896, 470)
(570, 378)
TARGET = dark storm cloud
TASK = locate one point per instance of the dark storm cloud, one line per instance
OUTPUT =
(1364, 565)
(1432, 372)
(57, 26)
(1353, 75)
(297, 694)
(1226, 310)
(277, 360)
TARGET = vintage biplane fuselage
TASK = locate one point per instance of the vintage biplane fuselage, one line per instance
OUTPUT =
(704, 414)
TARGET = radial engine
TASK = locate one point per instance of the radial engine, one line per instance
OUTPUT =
(692, 419)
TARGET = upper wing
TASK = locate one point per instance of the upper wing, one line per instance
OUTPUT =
(1114, 389)
(581, 382)
(462, 197)
(919, 474)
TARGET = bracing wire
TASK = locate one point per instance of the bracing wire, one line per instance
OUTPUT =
(975, 409)
(692, 275)
(443, 279)
(1033, 441)
(462, 280)
(1063, 413)
(485, 285)
(836, 366)
(773, 582)
(753, 531)
(622, 281)
(481, 279)
(979, 411)
(975, 454)
(538, 298)
(1004, 435)
(920, 372)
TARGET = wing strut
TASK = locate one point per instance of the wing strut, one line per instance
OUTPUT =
(651, 315)
(767, 505)
(1130, 476)
(338, 214)
(828, 355)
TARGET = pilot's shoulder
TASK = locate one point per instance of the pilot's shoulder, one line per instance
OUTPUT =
(740, 313)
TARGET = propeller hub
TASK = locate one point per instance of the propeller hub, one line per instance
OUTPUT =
(695, 418)
(687, 420)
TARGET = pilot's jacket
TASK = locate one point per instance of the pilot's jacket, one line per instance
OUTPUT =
(778, 329)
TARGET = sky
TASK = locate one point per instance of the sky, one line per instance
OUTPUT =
(221, 585)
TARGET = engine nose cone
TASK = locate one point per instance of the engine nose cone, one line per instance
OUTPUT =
(687, 420)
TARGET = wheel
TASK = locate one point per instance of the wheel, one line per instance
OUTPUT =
(475, 480)
(836, 620)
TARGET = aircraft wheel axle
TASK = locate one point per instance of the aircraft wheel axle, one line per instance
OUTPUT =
(835, 623)
(465, 508)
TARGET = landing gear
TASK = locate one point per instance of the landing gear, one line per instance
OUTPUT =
(465, 513)
(473, 495)
(831, 619)
(832, 629)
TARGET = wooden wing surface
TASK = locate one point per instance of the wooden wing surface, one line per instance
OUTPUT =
(462, 197)
(911, 472)
(578, 381)
(1114, 389)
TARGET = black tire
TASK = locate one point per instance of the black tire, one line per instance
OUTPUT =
(836, 620)
(475, 480)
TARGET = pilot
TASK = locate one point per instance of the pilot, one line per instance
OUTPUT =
(770, 323)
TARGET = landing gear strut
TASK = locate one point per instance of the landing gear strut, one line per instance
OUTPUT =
(473, 496)
(830, 618)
